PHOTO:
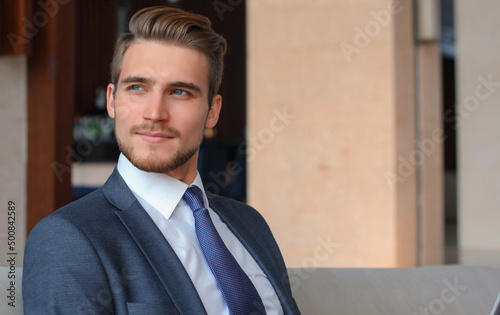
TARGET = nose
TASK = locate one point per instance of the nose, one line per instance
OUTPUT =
(156, 109)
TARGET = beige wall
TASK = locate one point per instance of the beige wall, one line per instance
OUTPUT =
(13, 159)
(331, 130)
(478, 118)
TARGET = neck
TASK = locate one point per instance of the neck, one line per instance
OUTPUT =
(186, 173)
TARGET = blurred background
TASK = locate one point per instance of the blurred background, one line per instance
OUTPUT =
(365, 132)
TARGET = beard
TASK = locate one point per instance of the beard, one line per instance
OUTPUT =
(156, 162)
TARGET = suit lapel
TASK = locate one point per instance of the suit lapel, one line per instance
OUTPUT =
(154, 246)
(255, 247)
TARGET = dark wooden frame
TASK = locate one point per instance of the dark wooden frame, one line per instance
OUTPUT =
(51, 84)
(16, 28)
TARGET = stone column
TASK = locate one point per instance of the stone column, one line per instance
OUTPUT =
(331, 130)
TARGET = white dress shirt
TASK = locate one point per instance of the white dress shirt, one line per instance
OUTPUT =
(161, 196)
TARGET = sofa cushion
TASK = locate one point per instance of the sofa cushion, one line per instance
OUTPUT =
(446, 289)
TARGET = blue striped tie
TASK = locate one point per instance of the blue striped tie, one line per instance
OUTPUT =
(238, 291)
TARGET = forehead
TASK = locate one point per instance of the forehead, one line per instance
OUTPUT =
(165, 62)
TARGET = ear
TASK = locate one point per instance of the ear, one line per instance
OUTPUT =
(110, 104)
(213, 113)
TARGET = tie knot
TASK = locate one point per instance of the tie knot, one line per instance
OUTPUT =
(194, 198)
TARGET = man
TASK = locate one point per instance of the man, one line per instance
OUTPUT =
(151, 241)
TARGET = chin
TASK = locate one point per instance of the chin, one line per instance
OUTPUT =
(159, 162)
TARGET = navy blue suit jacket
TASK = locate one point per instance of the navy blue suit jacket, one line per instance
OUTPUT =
(103, 254)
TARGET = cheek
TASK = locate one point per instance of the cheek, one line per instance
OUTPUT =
(123, 123)
(125, 115)
(120, 129)
(191, 128)
(193, 120)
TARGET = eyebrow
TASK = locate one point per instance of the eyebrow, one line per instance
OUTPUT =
(177, 84)
(136, 79)
(185, 85)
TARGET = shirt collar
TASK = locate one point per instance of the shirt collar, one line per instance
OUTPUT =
(161, 191)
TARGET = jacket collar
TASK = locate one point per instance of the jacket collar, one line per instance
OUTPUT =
(153, 245)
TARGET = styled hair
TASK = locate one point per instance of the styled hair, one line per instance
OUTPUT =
(172, 25)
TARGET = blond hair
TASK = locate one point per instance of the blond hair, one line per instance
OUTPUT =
(177, 27)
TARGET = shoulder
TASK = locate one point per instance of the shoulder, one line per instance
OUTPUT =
(92, 205)
(224, 201)
(70, 217)
(91, 216)
(83, 219)
(235, 212)
(231, 205)
(96, 206)
(62, 233)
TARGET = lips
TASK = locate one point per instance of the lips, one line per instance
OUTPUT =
(154, 137)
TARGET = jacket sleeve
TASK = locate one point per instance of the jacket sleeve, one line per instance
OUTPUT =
(62, 272)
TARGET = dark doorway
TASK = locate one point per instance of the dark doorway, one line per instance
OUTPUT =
(449, 123)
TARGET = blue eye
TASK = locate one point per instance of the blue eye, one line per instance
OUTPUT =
(135, 88)
(179, 92)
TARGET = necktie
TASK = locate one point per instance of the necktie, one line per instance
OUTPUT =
(238, 291)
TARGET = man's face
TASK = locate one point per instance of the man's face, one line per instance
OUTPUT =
(160, 107)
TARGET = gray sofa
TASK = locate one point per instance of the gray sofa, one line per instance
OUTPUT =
(337, 291)
(442, 290)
